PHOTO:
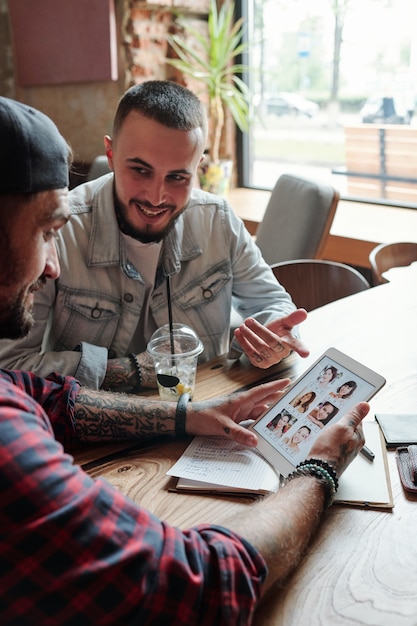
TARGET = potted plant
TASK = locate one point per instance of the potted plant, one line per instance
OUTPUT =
(212, 62)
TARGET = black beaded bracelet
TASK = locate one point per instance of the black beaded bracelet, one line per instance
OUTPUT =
(137, 369)
(325, 466)
(181, 414)
(323, 472)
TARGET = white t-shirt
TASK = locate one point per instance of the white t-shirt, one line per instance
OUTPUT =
(145, 257)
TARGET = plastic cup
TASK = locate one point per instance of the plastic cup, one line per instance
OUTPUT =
(175, 372)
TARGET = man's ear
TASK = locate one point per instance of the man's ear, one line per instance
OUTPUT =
(108, 144)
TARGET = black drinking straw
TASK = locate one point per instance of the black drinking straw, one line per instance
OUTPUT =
(168, 380)
(171, 327)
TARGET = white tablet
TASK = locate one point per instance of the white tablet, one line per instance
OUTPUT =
(324, 393)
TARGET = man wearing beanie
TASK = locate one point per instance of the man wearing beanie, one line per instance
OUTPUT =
(74, 550)
(34, 162)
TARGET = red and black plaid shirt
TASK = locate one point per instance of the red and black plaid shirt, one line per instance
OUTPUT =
(75, 551)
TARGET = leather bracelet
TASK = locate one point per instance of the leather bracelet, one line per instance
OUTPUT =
(181, 414)
(137, 369)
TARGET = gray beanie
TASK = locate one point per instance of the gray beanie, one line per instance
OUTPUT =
(33, 153)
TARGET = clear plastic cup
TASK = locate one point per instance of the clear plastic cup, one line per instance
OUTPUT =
(175, 372)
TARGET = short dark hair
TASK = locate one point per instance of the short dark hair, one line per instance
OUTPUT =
(164, 101)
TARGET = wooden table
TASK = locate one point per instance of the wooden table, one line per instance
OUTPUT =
(362, 566)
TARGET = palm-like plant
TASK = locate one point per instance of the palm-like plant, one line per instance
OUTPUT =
(214, 66)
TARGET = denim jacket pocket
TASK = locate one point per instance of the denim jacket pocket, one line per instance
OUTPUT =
(204, 289)
(89, 317)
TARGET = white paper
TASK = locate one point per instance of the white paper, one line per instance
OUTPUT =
(223, 462)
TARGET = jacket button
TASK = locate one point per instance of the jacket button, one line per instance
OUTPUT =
(207, 294)
(128, 297)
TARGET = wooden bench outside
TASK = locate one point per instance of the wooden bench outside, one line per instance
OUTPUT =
(381, 162)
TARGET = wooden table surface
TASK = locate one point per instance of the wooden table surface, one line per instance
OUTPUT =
(362, 566)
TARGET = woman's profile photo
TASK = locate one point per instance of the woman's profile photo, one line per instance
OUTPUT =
(326, 376)
(322, 414)
(280, 424)
(300, 435)
(344, 391)
(303, 400)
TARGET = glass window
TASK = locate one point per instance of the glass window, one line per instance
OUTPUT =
(334, 86)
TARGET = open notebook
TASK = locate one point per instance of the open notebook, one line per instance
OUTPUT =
(218, 465)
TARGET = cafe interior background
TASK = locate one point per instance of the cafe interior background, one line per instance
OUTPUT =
(313, 72)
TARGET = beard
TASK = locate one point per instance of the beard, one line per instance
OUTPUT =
(16, 320)
(144, 235)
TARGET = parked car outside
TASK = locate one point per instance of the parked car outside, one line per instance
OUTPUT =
(386, 110)
(290, 104)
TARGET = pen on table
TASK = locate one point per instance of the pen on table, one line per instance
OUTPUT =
(367, 453)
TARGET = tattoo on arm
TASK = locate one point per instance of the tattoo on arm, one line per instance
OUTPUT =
(104, 417)
(121, 375)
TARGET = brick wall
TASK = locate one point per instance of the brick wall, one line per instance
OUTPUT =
(84, 112)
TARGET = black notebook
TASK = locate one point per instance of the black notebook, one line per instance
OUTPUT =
(399, 429)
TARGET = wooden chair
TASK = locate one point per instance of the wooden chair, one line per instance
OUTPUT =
(388, 255)
(313, 283)
(297, 219)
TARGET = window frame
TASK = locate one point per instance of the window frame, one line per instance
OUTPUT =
(244, 9)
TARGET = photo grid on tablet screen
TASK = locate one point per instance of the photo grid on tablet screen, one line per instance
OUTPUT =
(315, 401)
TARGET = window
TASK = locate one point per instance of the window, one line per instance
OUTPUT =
(334, 86)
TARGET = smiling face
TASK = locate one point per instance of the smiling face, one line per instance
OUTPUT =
(27, 254)
(154, 168)
(283, 420)
(327, 376)
(324, 412)
(345, 390)
(301, 435)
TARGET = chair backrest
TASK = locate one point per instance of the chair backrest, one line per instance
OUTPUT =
(98, 167)
(297, 219)
(388, 255)
(313, 283)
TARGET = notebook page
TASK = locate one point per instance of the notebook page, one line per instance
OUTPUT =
(223, 462)
(364, 482)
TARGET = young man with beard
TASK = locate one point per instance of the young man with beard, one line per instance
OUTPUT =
(74, 550)
(134, 230)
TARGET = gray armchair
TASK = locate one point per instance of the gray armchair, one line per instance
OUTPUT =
(297, 219)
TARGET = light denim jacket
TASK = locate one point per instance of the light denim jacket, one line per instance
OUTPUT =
(91, 312)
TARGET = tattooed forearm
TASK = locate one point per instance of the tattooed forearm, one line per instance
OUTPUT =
(119, 375)
(102, 417)
(148, 370)
(122, 376)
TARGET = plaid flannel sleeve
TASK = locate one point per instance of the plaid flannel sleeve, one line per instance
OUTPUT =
(74, 550)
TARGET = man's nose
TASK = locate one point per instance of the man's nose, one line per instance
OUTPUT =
(52, 267)
(155, 191)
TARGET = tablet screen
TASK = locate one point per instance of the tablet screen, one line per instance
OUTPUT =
(324, 393)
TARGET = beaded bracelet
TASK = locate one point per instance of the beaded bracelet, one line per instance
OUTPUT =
(321, 470)
(137, 369)
(181, 414)
(325, 466)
